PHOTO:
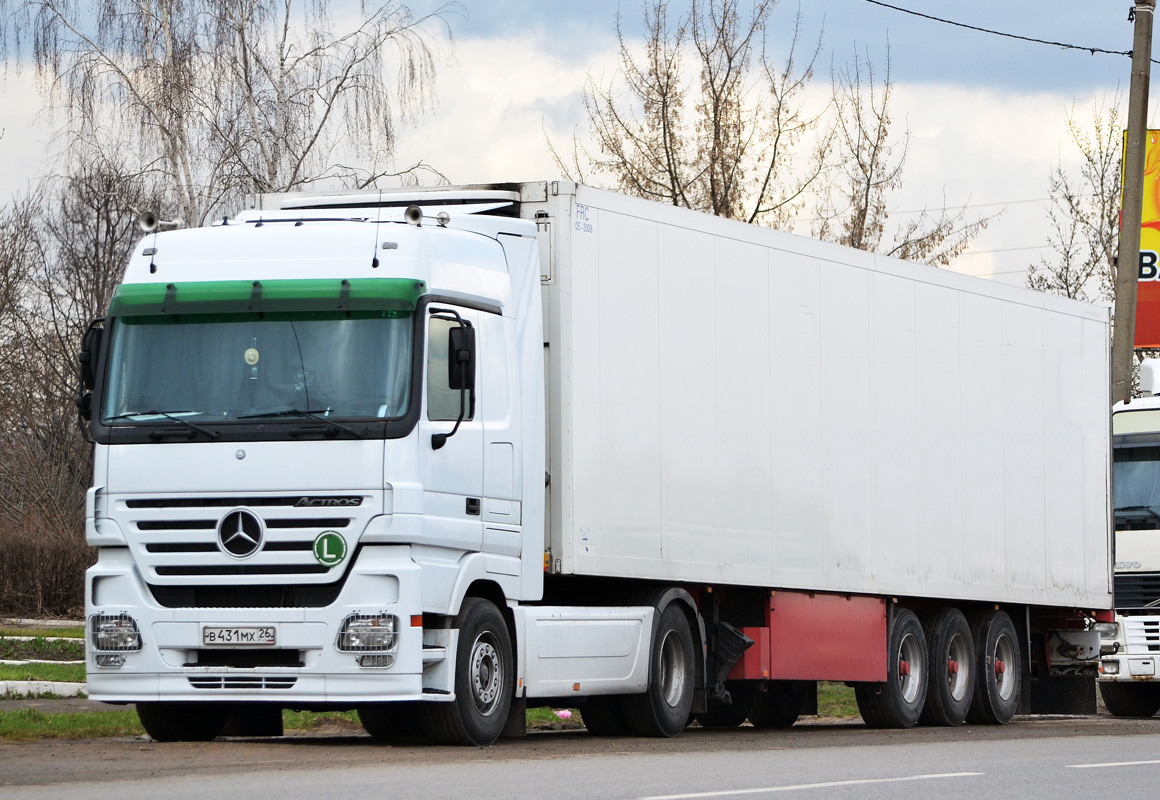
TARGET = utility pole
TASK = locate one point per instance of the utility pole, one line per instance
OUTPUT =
(1128, 261)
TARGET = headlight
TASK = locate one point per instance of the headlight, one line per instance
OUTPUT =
(1110, 668)
(1107, 630)
(363, 633)
(115, 633)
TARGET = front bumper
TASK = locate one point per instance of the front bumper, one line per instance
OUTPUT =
(382, 579)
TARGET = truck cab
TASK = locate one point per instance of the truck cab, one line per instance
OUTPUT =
(1130, 648)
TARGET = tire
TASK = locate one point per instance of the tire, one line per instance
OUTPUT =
(604, 716)
(1131, 699)
(898, 702)
(183, 722)
(484, 680)
(664, 708)
(998, 668)
(730, 715)
(391, 721)
(778, 704)
(951, 668)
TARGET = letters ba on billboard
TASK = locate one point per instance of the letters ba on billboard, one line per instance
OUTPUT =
(1148, 288)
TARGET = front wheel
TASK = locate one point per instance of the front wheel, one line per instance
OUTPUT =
(1131, 699)
(183, 722)
(484, 675)
(664, 709)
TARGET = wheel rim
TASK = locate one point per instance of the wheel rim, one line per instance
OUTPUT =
(1004, 665)
(909, 667)
(486, 673)
(958, 668)
(673, 674)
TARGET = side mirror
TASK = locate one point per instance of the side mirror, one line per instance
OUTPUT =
(461, 358)
(90, 349)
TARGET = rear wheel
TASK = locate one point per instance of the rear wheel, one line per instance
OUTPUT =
(183, 722)
(665, 707)
(898, 702)
(998, 667)
(1131, 699)
(732, 714)
(484, 678)
(951, 666)
(604, 716)
(778, 704)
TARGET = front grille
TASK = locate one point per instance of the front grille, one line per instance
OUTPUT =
(1137, 590)
(243, 682)
(176, 539)
(1142, 635)
(292, 596)
(248, 659)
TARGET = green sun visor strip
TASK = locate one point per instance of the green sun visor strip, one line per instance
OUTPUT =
(232, 297)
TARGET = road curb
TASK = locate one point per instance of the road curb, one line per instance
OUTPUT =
(26, 688)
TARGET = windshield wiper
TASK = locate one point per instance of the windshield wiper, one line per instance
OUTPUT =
(169, 415)
(1136, 511)
(297, 412)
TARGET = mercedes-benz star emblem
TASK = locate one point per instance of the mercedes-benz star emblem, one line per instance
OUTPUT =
(240, 533)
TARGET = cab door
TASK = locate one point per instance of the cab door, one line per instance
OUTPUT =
(451, 434)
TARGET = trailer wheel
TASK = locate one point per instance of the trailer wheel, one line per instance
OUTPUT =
(665, 707)
(730, 715)
(390, 721)
(1131, 699)
(778, 704)
(998, 667)
(951, 667)
(483, 680)
(183, 722)
(898, 702)
(604, 716)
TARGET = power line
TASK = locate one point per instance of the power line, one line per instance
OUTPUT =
(1064, 45)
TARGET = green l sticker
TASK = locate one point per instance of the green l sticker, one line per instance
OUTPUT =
(329, 548)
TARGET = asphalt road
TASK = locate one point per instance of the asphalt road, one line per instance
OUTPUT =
(1031, 758)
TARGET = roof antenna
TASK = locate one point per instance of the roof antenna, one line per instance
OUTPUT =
(378, 224)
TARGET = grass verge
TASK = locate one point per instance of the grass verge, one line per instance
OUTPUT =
(836, 700)
(18, 650)
(77, 632)
(70, 673)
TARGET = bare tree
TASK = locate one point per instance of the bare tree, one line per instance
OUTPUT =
(869, 161)
(67, 245)
(1084, 211)
(222, 97)
(722, 142)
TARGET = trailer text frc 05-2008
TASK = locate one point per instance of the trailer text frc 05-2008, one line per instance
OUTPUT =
(437, 455)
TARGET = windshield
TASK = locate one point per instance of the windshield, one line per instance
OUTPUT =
(1136, 485)
(222, 368)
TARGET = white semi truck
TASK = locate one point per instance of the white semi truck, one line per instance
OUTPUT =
(1131, 647)
(437, 455)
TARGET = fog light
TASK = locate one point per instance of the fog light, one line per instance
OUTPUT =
(361, 633)
(115, 632)
(112, 660)
(376, 660)
(1110, 668)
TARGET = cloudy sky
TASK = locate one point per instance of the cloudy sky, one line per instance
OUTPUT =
(986, 113)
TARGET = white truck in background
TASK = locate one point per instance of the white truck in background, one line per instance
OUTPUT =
(1131, 646)
(440, 454)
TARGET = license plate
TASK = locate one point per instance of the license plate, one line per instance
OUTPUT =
(235, 636)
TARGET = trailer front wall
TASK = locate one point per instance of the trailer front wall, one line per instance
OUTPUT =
(739, 405)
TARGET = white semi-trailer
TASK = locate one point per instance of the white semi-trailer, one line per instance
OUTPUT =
(440, 454)
(1131, 648)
